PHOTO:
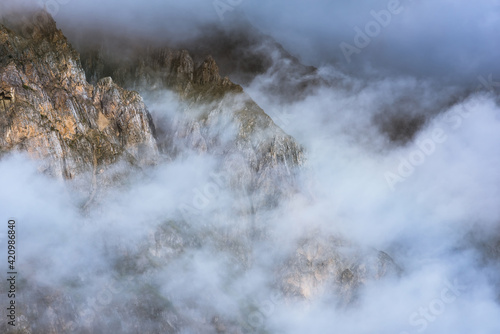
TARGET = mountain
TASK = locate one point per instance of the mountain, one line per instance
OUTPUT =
(83, 126)
(242, 53)
(53, 113)
(71, 114)
(258, 146)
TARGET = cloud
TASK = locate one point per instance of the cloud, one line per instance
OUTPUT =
(441, 39)
(426, 38)
(190, 273)
(423, 220)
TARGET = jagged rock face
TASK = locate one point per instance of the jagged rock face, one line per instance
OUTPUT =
(49, 110)
(160, 68)
(259, 158)
(332, 266)
(244, 53)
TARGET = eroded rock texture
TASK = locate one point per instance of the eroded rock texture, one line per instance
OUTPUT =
(49, 109)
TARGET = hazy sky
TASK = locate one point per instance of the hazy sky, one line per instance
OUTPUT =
(440, 37)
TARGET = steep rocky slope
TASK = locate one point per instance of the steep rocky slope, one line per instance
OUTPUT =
(259, 157)
(49, 110)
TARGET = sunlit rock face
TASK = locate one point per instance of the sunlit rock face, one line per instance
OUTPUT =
(49, 110)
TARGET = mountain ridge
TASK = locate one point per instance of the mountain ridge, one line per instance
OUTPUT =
(77, 129)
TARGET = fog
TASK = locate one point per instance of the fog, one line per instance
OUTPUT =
(427, 196)
(443, 39)
(421, 200)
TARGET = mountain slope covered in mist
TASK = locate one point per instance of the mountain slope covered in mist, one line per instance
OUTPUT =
(155, 195)
(81, 131)
(262, 157)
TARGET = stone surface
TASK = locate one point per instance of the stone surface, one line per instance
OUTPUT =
(48, 109)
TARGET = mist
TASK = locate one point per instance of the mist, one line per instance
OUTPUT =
(401, 158)
(423, 200)
(422, 221)
(447, 40)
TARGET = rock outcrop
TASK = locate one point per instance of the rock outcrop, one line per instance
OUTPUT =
(332, 266)
(48, 109)
(153, 69)
(258, 156)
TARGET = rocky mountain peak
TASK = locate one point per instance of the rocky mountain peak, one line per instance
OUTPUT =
(35, 25)
(155, 68)
(183, 66)
(79, 121)
(49, 110)
(208, 72)
(44, 26)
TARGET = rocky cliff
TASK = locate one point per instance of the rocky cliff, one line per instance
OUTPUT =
(49, 109)
(259, 157)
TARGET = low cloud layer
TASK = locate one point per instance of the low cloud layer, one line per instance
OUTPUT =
(423, 218)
